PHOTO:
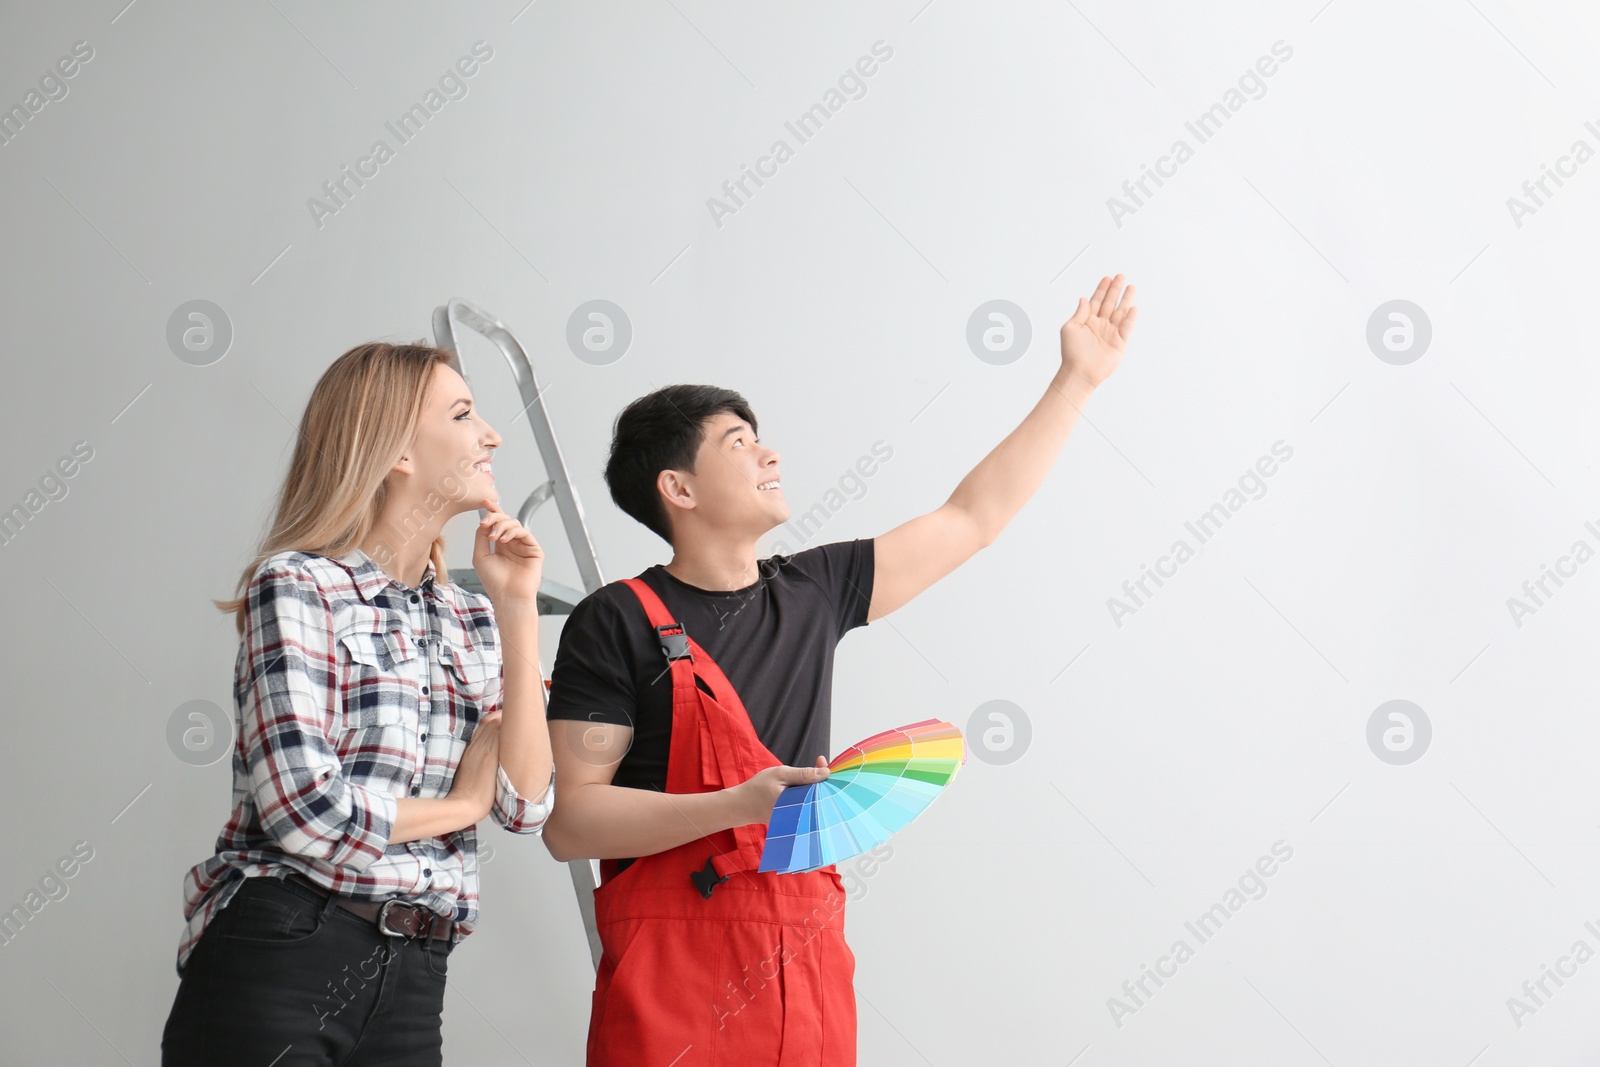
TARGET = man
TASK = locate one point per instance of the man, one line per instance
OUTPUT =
(684, 701)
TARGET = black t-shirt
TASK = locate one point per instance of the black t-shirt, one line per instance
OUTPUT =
(774, 640)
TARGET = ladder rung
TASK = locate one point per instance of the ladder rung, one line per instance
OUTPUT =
(554, 598)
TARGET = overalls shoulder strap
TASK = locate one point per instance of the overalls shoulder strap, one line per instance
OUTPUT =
(683, 653)
(714, 746)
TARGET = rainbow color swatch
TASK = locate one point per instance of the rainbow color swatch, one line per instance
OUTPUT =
(873, 788)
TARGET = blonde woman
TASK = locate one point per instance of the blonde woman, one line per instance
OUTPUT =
(382, 713)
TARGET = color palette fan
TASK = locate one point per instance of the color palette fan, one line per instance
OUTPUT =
(873, 789)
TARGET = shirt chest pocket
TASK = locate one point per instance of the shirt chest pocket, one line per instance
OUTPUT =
(475, 674)
(380, 679)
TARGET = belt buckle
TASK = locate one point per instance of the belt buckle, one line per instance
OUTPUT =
(383, 918)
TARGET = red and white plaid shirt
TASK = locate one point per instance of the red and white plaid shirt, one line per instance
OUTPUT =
(353, 690)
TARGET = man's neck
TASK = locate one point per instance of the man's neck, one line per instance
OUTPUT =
(718, 566)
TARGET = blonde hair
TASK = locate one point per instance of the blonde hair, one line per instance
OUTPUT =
(360, 419)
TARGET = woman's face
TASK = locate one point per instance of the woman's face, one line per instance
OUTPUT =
(451, 451)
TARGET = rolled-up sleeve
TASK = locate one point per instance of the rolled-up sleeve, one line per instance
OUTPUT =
(516, 812)
(289, 720)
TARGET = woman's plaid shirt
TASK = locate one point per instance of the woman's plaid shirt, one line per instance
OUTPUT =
(353, 690)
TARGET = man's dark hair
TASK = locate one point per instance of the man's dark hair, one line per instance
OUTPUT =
(663, 431)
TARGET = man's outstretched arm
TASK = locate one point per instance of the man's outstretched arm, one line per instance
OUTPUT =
(915, 554)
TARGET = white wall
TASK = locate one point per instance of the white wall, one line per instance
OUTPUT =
(1228, 713)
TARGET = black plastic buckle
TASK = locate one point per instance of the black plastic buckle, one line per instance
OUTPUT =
(674, 642)
(706, 880)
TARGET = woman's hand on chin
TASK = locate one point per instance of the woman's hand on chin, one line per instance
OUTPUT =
(511, 571)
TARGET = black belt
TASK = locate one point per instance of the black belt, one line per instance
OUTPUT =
(395, 918)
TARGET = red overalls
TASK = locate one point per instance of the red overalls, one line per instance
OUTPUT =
(730, 967)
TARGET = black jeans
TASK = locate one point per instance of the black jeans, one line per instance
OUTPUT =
(282, 976)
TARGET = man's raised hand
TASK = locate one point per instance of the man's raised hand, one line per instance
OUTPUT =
(1093, 340)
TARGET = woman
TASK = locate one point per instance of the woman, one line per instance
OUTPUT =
(372, 734)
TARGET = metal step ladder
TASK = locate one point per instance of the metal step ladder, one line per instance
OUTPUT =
(553, 597)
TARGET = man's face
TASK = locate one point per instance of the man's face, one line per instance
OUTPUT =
(729, 472)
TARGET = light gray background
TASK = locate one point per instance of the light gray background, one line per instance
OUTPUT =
(1167, 753)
